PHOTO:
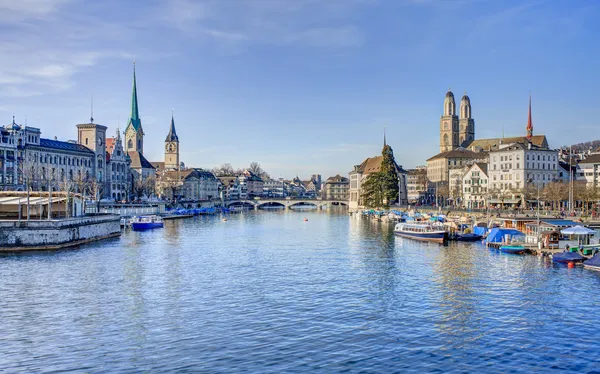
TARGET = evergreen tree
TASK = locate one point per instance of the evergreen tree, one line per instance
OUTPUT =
(380, 189)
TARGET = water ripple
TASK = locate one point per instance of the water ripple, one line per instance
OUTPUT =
(266, 292)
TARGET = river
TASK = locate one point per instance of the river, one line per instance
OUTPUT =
(266, 292)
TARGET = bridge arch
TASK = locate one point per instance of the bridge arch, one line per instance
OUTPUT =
(270, 203)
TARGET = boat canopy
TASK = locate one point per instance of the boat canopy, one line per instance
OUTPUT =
(497, 234)
(594, 261)
(567, 256)
(480, 230)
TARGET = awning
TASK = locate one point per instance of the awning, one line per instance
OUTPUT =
(13, 200)
(505, 201)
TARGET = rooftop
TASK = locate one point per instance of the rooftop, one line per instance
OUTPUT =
(66, 146)
(138, 161)
(459, 153)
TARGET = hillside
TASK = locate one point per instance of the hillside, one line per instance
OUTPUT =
(581, 147)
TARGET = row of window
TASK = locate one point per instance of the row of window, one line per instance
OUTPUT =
(60, 160)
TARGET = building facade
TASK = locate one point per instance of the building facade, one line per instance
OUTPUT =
(337, 188)
(274, 188)
(515, 167)
(454, 131)
(251, 184)
(419, 189)
(189, 185)
(475, 187)
(118, 169)
(438, 166)
(172, 148)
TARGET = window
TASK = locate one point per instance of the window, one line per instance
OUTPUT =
(86, 141)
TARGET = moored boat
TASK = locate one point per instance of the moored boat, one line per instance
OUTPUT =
(423, 232)
(565, 257)
(593, 263)
(140, 223)
(512, 248)
(468, 237)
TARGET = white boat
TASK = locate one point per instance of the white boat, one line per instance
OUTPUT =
(146, 222)
(423, 232)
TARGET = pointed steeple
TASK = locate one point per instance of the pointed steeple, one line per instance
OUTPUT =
(529, 123)
(134, 120)
(384, 141)
(118, 134)
(172, 137)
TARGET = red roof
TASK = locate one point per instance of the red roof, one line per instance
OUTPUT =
(110, 145)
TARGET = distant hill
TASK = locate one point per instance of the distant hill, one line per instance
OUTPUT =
(582, 147)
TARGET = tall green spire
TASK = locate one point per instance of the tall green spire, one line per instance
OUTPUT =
(134, 120)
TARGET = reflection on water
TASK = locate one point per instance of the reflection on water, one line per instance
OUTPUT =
(267, 292)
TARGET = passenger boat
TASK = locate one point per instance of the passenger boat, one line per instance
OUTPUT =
(512, 248)
(146, 223)
(424, 232)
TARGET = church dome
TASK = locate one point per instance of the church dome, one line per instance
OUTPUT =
(449, 95)
(465, 99)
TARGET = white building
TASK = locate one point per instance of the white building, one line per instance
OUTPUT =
(475, 186)
(513, 166)
(589, 169)
(274, 188)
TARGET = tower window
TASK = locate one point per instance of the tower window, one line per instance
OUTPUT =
(86, 141)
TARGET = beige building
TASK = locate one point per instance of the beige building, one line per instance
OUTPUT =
(188, 185)
(336, 188)
(438, 166)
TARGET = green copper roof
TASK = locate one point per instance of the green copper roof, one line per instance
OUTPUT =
(134, 120)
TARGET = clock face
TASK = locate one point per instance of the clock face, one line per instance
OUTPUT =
(99, 141)
(170, 147)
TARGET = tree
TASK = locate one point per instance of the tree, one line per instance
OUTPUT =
(256, 169)
(67, 185)
(555, 192)
(95, 188)
(380, 189)
(223, 170)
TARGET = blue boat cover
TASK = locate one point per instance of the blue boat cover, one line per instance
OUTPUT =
(497, 234)
(479, 230)
(594, 261)
(567, 256)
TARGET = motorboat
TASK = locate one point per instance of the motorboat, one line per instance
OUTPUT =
(565, 257)
(512, 248)
(423, 232)
(140, 223)
(470, 237)
(593, 263)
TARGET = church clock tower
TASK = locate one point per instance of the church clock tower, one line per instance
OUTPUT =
(449, 125)
(172, 148)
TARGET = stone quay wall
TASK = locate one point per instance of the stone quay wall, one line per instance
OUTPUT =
(56, 234)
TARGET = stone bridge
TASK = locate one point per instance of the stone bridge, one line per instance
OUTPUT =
(286, 203)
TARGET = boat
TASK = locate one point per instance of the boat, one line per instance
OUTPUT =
(470, 237)
(593, 263)
(512, 248)
(140, 223)
(423, 232)
(565, 257)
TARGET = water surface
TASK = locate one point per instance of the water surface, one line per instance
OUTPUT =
(266, 292)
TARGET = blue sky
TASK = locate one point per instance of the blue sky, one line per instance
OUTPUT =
(302, 86)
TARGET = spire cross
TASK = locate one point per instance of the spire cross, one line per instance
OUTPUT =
(92, 110)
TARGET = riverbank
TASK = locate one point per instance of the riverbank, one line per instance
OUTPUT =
(37, 235)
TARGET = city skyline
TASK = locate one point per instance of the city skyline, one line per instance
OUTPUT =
(320, 89)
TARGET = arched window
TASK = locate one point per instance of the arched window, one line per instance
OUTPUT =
(446, 141)
(129, 144)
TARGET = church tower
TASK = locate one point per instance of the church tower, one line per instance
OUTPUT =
(134, 134)
(172, 148)
(466, 133)
(529, 122)
(449, 125)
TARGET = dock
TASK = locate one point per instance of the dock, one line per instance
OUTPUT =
(177, 216)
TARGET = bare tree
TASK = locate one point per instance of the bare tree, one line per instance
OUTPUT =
(555, 192)
(67, 185)
(256, 169)
(95, 188)
(223, 170)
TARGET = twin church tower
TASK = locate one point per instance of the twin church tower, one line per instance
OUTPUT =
(134, 135)
(456, 131)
